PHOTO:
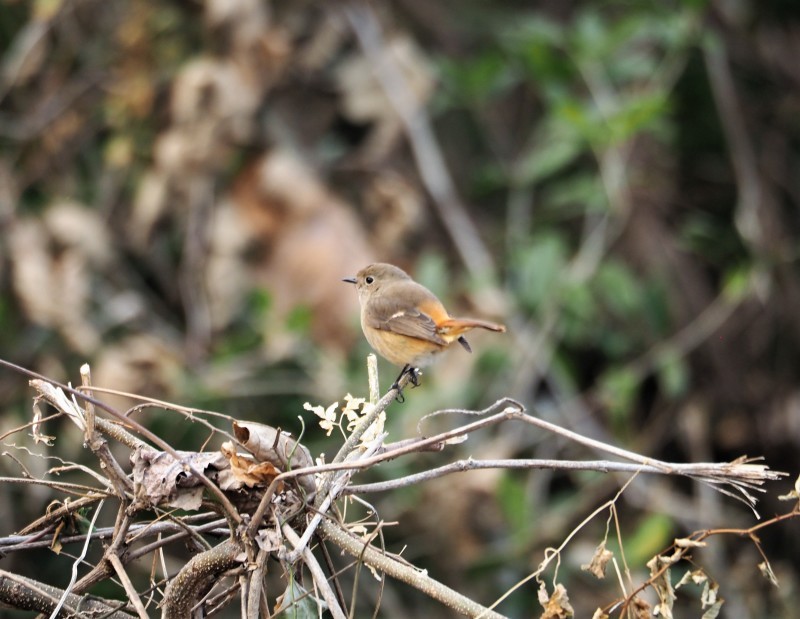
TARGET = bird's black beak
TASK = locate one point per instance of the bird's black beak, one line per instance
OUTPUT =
(349, 280)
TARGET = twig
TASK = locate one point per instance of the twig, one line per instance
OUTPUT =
(255, 589)
(678, 551)
(54, 393)
(405, 573)
(27, 594)
(41, 539)
(741, 474)
(75, 564)
(133, 596)
(98, 444)
(320, 580)
(339, 482)
(459, 466)
(103, 568)
(337, 464)
(196, 576)
(753, 198)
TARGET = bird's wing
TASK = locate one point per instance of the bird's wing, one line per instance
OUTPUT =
(405, 320)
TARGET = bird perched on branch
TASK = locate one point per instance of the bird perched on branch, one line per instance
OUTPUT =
(404, 322)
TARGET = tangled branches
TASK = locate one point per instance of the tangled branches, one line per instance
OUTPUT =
(259, 496)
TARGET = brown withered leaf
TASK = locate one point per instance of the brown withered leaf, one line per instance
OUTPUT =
(556, 606)
(53, 287)
(285, 206)
(395, 207)
(766, 571)
(138, 363)
(364, 99)
(159, 479)
(662, 584)
(640, 608)
(280, 449)
(245, 470)
(601, 557)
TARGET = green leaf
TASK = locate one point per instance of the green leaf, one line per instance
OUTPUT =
(579, 315)
(653, 534)
(538, 269)
(637, 113)
(673, 374)
(513, 501)
(431, 270)
(575, 195)
(736, 284)
(619, 388)
(476, 79)
(299, 319)
(297, 603)
(555, 145)
(538, 45)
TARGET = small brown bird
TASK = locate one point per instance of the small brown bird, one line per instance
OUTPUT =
(404, 322)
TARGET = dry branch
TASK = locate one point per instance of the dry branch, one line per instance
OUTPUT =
(284, 500)
(28, 594)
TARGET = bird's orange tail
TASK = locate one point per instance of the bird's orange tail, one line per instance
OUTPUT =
(453, 327)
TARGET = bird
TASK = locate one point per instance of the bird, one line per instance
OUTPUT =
(404, 322)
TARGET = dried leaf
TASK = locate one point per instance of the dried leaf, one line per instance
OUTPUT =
(76, 226)
(56, 545)
(227, 276)
(601, 557)
(364, 99)
(36, 427)
(138, 363)
(556, 606)
(713, 612)
(53, 287)
(246, 470)
(269, 540)
(396, 207)
(766, 571)
(662, 585)
(286, 207)
(640, 608)
(328, 416)
(281, 449)
(159, 479)
(794, 495)
(710, 595)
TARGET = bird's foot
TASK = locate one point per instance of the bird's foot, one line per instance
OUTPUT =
(413, 378)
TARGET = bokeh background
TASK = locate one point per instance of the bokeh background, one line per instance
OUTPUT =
(184, 184)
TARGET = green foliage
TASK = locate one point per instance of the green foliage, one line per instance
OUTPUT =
(537, 269)
(474, 81)
(432, 271)
(618, 389)
(514, 502)
(673, 374)
(651, 536)
(299, 319)
(555, 144)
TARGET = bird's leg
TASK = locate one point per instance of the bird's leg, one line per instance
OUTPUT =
(396, 385)
(413, 379)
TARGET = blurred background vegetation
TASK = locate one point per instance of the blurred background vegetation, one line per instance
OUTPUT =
(184, 184)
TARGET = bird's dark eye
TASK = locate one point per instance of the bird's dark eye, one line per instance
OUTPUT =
(369, 279)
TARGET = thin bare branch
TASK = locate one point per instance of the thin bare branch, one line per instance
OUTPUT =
(320, 580)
